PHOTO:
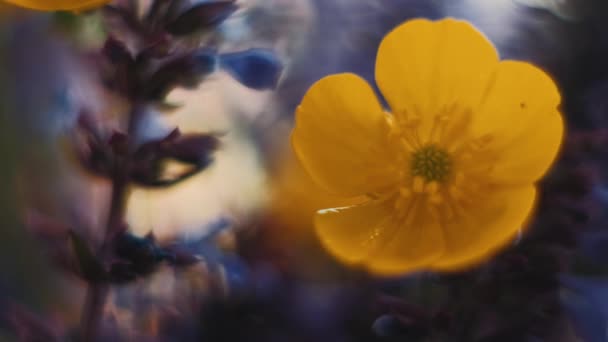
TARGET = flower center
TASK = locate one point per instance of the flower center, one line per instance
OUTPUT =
(431, 163)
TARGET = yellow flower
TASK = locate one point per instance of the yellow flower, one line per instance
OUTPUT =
(295, 197)
(59, 5)
(449, 174)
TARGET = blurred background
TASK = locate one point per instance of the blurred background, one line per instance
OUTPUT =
(262, 275)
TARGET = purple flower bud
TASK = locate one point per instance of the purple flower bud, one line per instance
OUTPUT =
(201, 16)
(116, 51)
(186, 71)
(149, 160)
(256, 68)
(92, 151)
(194, 149)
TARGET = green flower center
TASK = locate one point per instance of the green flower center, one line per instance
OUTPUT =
(431, 163)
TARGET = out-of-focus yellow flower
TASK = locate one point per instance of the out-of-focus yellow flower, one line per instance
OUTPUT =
(450, 173)
(295, 197)
(59, 5)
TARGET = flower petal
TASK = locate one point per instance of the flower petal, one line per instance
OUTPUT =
(341, 136)
(488, 225)
(59, 5)
(348, 232)
(374, 234)
(426, 68)
(414, 247)
(520, 113)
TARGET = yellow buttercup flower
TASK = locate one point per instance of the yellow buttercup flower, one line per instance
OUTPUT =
(449, 173)
(59, 5)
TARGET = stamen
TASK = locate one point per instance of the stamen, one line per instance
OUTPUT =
(410, 133)
(432, 188)
(408, 143)
(416, 137)
(394, 129)
(438, 128)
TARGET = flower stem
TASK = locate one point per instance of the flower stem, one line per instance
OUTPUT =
(92, 311)
(96, 296)
(97, 293)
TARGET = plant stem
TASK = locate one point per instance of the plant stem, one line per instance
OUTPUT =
(92, 311)
(97, 293)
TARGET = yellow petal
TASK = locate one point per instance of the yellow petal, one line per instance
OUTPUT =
(59, 5)
(378, 237)
(426, 68)
(414, 246)
(352, 233)
(295, 197)
(488, 225)
(520, 113)
(341, 136)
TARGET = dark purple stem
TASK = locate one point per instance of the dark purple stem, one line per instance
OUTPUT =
(97, 293)
(93, 311)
